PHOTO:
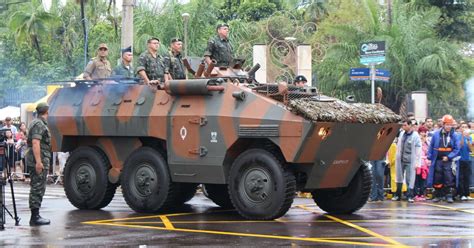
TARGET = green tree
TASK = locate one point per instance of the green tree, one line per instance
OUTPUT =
(417, 58)
(456, 20)
(29, 24)
(255, 10)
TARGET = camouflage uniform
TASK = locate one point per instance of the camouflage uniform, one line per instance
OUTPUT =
(122, 70)
(175, 65)
(38, 129)
(98, 68)
(154, 68)
(219, 50)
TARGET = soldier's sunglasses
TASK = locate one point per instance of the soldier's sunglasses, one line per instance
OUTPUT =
(102, 49)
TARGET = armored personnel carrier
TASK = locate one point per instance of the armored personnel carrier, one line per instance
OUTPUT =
(252, 145)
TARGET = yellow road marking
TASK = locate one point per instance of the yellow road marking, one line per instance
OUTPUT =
(210, 212)
(168, 225)
(409, 221)
(249, 235)
(119, 219)
(167, 222)
(132, 224)
(157, 216)
(362, 229)
(411, 237)
(450, 208)
(401, 209)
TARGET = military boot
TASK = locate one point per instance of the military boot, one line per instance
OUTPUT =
(36, 219)
(449, 195)
(398, 194)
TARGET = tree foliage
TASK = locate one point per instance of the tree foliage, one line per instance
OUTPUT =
(39, 47)
(416, 57)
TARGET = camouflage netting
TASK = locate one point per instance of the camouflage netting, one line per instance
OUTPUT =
(339, 111)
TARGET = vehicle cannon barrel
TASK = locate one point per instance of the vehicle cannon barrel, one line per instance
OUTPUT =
(192, 87)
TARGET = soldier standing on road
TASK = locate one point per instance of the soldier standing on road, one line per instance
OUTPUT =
(125, 67)
(38, 156)
(219, 48)
(174, 61)
(99, 67)
(151, 66)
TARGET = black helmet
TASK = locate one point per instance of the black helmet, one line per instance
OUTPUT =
(300, 78)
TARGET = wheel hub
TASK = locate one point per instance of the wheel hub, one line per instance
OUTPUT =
(145, 180)
(256, 185)
(85, 178)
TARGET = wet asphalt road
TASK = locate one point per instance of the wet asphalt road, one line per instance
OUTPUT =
(201, 223)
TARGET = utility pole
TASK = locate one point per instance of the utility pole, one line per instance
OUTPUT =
(372, 83)
(186, 21)
(127, 24)
(389, 12)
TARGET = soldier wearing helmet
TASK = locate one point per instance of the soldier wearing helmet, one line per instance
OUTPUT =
(444, 147)
(37, 159)
(300, 81)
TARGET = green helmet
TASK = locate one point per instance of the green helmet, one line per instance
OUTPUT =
(42, 107)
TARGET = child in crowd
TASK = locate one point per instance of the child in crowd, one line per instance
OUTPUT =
(423, 169)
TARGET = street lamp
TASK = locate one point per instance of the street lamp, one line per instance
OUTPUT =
(185, 20)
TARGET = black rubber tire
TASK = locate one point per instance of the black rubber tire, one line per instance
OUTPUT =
(219, 194)
(186, 192)
(160, 192)
(349, 199)
(86, 182)
(259, 187)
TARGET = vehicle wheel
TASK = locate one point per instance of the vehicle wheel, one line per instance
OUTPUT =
(259, 187)
(146, 183)
(186, 192)
(219, 194)
(85, 179)
(349, 199)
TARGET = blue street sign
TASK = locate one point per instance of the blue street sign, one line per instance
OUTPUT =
(382, 75)
(359, 74)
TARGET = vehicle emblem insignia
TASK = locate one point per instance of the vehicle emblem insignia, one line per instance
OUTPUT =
(183, 132)
(213, 137)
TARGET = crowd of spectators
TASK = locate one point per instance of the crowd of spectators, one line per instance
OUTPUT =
(427, 157)
(13, 149)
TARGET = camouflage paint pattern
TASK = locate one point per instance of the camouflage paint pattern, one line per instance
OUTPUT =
(198, 128)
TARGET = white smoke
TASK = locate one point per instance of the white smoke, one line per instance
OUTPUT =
(470, 98)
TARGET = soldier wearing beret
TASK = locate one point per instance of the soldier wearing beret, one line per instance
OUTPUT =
(99, 67)
(151, 66)
(219, 48)
(300, 81)
(125, 68)
(38, 156)
(174, 60)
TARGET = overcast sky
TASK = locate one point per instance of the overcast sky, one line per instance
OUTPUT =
(47, 3)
